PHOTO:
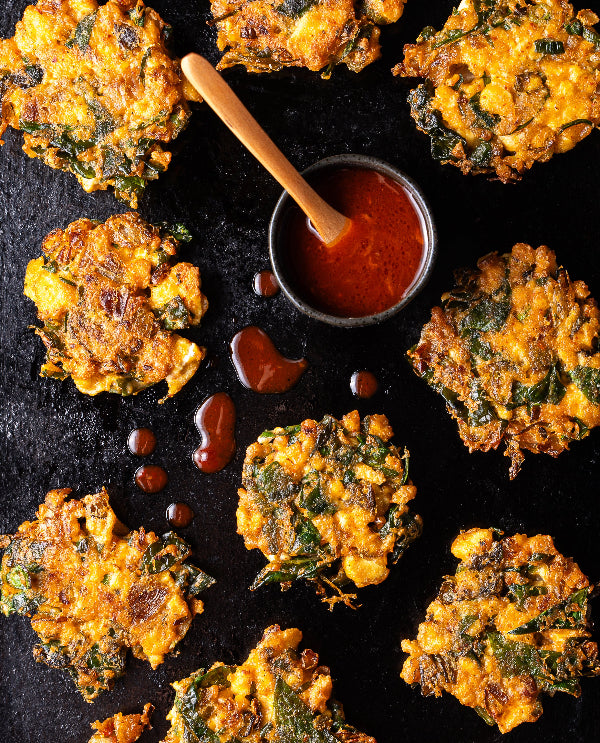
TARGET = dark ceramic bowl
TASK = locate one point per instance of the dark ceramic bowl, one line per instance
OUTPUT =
(277, 242)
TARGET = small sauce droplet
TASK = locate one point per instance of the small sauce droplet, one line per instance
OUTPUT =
(215, 420)
(265, 284)
(151, 478)
(179, 515)
(141, 442)
(364, 384)
(259, 365)
(372, 266)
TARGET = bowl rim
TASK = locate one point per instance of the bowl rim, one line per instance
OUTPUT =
(430, 242)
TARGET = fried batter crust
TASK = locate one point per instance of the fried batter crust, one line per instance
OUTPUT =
(95, 91)
(510, 625)
(327, 502)
(508, 83)
(122, 728)
(109, 296)
(93, 589)
(276, 689)
(514, 352)
(268, 35)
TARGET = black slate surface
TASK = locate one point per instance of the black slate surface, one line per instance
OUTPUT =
(51, 436)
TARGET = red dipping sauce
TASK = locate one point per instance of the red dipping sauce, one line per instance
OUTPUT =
(141, 442)
(364, 384)
(371, 267)
(179, 515)
(265, 284)
(215, 421)
(260, 366)
(151, 478)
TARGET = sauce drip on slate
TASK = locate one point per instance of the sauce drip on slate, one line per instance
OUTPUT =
(364, 384)
(179, 515)
(371, 267)
(215, 420)
(151, 478)
(141, 442)
(260, 366)
(265, 284)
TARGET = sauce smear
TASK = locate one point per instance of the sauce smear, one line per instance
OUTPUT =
(265, 284)
(371, 267)
(215, 421)
(259, 365)
(141, 442)
(179, 515)
(151, 478)
(364, 384)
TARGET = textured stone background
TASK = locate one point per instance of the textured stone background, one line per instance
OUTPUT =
(52, 436)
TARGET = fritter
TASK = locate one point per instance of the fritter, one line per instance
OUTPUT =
(95, 91)
(508, 83)
(268, 35)
(514, 351)
(122, 728)
(327, 502)
(510, 625)
(110, 296)
(278, 694)
(93, 589)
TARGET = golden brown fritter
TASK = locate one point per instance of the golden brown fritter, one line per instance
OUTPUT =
(514, 352)
(122, 728)
(510, 625)
(110, 296)
(267, 35)
(327, 502)
(508, 83)
(93, 589)
(95, 91)
(277, 694)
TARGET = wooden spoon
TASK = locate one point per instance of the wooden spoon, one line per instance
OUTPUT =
(328, 222)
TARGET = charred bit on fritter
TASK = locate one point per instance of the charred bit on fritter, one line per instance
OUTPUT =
(122, 728)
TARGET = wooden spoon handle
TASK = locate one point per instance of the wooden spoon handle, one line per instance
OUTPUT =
(328, 222)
